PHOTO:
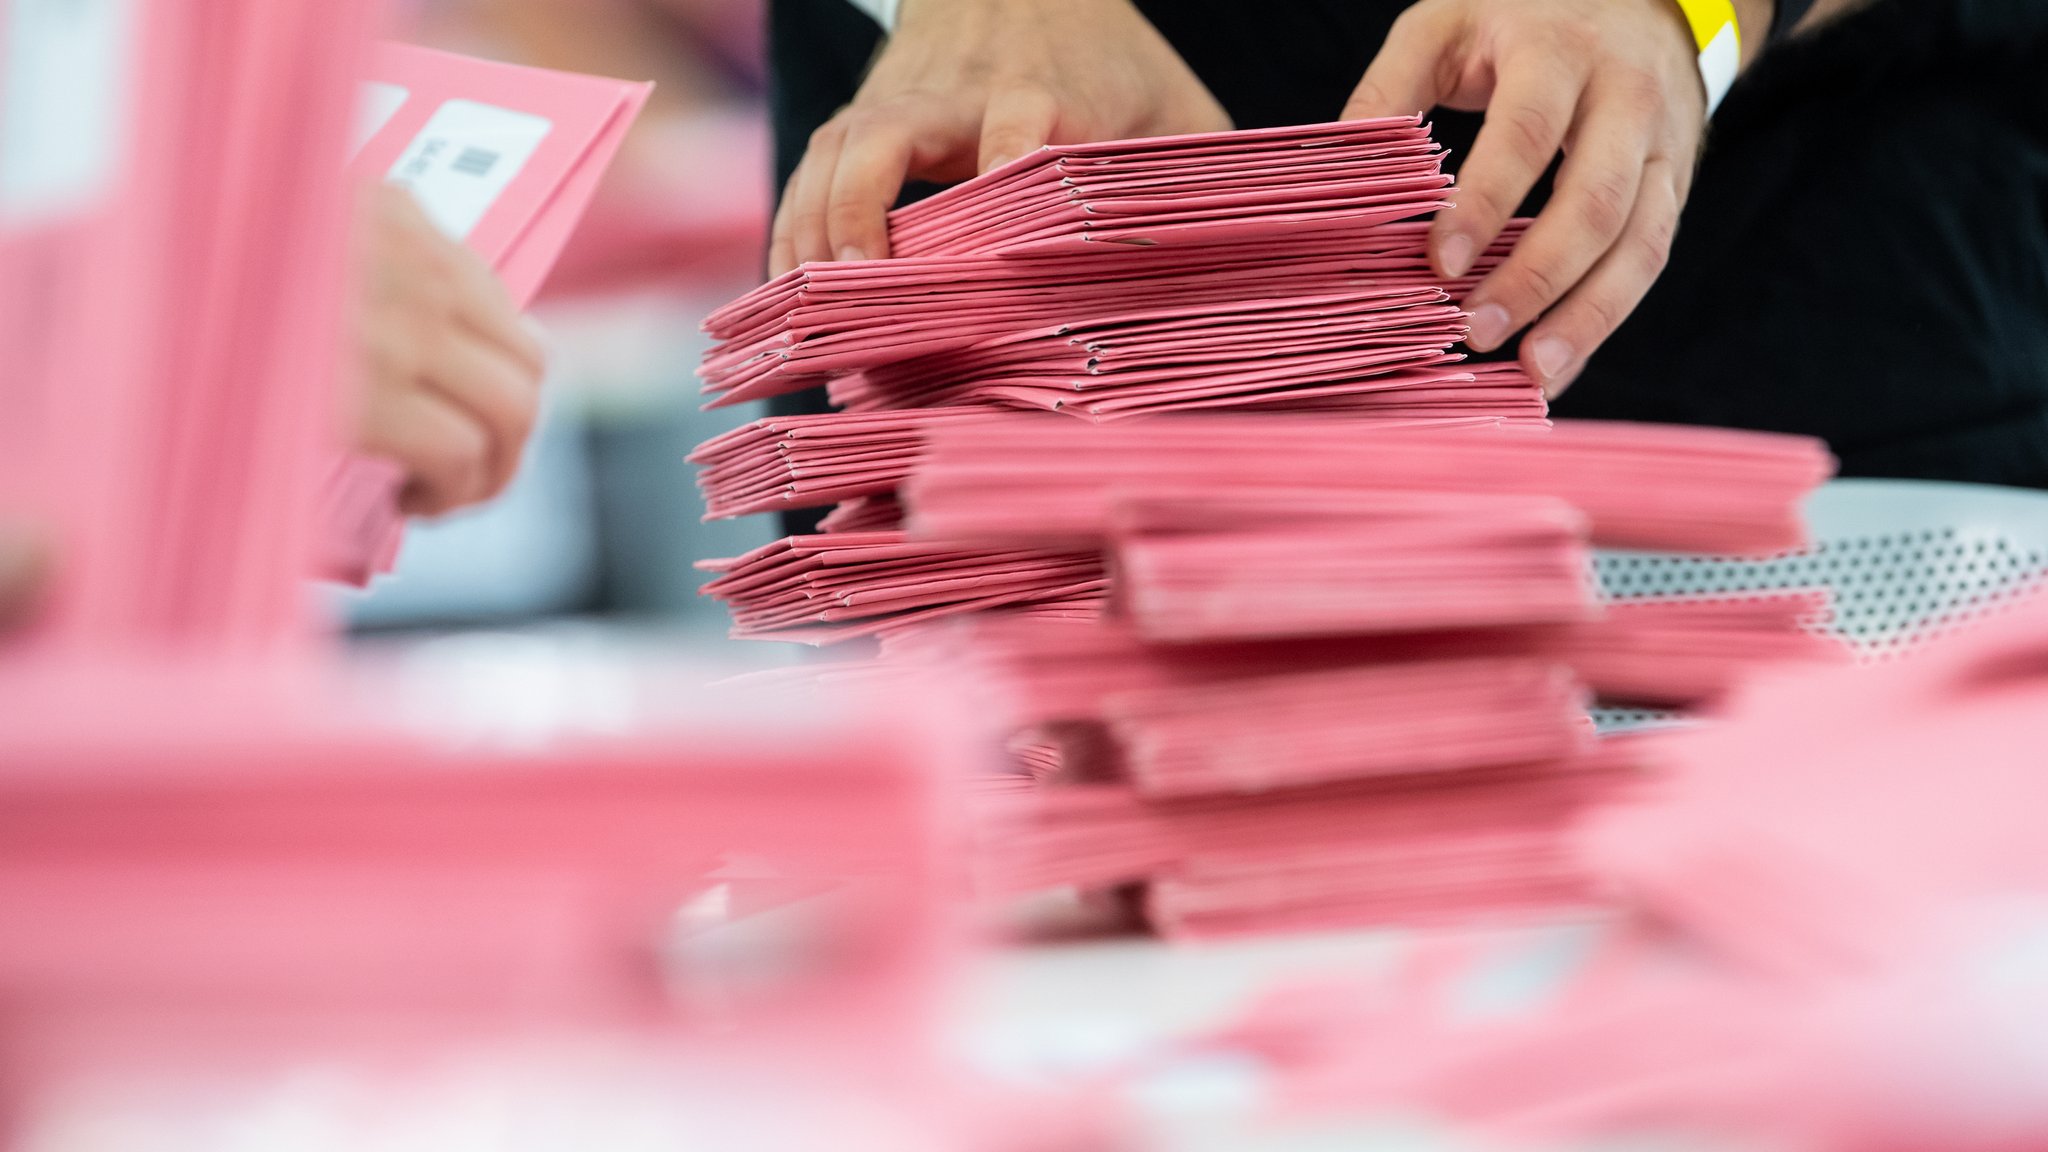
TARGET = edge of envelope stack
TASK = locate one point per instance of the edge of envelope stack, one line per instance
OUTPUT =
(1284, 610)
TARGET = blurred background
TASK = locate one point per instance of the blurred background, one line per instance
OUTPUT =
(603, 522)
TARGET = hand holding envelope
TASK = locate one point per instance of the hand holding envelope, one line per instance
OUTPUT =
(448, 380)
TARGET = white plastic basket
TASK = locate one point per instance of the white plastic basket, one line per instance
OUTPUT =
(1906, 560)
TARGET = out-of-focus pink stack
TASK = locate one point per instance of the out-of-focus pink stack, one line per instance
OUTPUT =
(171, 247)
(1295, 626)
(214, 870)
(1346, 675)
(231, 855)
(1831, 939)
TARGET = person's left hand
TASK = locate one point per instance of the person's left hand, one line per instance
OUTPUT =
(1614, 84)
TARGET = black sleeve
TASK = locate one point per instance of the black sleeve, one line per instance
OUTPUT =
(818, 50)
(1785, 16)
(1888, 43)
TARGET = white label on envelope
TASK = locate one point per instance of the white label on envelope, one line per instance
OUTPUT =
(465, 158)
(64, 69)
(375, 106)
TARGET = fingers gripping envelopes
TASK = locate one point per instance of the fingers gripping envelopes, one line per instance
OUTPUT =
(1294, 626)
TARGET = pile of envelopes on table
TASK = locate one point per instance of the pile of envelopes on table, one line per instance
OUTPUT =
(1295, 625)
(1345, 672)
(1830, 937)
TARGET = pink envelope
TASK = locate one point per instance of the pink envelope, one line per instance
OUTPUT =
(1685, 489)
(847, 584)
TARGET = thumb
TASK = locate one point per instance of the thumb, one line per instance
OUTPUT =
(1402, 80)
(1019, 120)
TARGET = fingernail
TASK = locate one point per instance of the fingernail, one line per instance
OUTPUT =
(1551, 356)
(1454, 255)
(852, 252)
(1491, 324)
(996, 163)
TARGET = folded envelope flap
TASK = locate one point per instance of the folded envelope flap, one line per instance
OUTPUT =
(485, 146)
(533, 254)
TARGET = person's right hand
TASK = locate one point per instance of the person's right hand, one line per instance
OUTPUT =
(965, 85)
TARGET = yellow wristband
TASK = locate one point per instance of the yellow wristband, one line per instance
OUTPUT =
(1720, 45)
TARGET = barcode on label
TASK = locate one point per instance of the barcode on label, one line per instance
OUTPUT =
(475, 162)
(464, 158)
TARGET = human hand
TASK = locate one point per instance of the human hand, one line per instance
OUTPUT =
(1615, 85)
(449, 380)
(965, 85)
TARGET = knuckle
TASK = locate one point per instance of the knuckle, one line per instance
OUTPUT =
(453, 453)
(1578, 37)
(807, 220)
(830, 132)
(1653, 252)
(1640, 89)
(525, 412)
(1369, 94)
(1653, 242)
(1534, 133)
(846, 215)
(1604, 205)
(1414, 20)
(1025, 91)
(1605, 311)
(860, 121)
(1538, 282)
(1484, 200)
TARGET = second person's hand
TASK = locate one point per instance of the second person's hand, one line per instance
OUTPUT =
(1611, 83)
(965, 85)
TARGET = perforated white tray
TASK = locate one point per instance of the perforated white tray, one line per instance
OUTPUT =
(1905, 559)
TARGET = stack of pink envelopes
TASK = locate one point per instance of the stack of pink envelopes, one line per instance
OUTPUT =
(1337, 320)
(1301, 609)
(1186, 190)
(1296, 625)
(227, 871)
(807, 461)
(395, 838)
(1640, 485)
(841, 585)
(1396, 848)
